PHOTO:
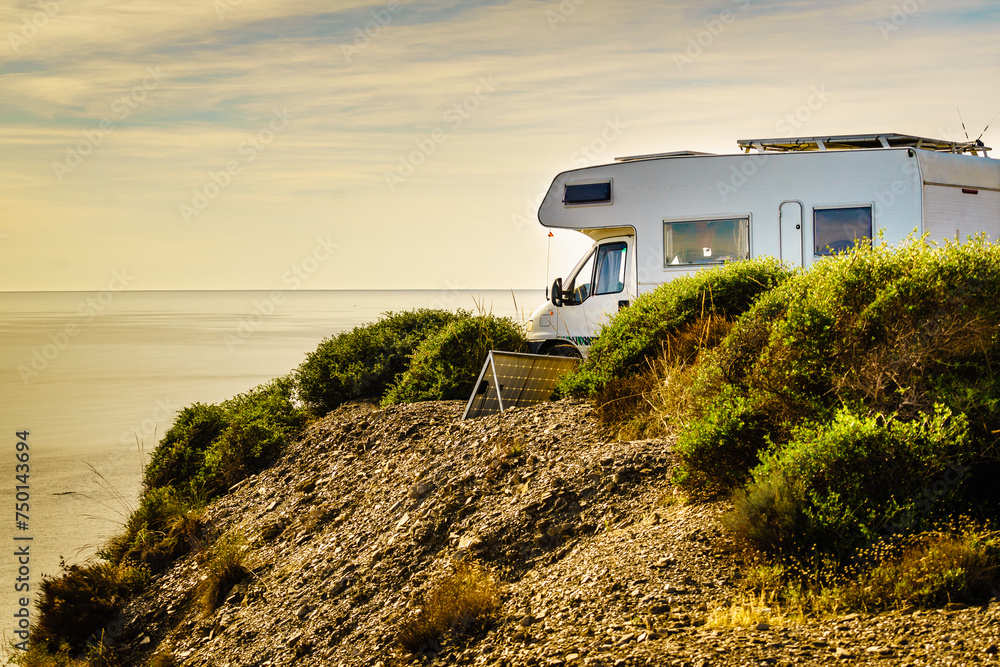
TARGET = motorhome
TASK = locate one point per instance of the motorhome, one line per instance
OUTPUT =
(655, 217)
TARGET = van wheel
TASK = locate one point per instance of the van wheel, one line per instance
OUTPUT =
(563, 350)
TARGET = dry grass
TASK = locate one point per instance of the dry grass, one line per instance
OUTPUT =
(167, 523)
(164, 658)
(508, 447)
(102, 655)
(750, 609)
(38, 657)
(670, 398)
(777, 596)
(654, 403)
(226, 564)
(672, 496)
(465, 601)
(958, 564)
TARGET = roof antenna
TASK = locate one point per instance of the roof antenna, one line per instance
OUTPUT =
(963, 124)
(987, 126)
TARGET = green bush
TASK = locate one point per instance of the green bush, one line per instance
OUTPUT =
(166, 525)
(446, 365)
(259, 422)
(75, 607)
(181, 452)
(896, 330)
(207, 450)
(640, 333)
(850, 482)
(721, 447)
(365, 361)
(214, 446)
(892, 331)
(838, 393)
(769, 512)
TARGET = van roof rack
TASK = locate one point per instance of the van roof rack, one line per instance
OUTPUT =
(855, 141)
(656, 156)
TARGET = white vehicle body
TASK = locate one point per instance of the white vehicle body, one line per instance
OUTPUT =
(653, 218)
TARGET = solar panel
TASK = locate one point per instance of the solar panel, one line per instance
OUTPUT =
(511, 379)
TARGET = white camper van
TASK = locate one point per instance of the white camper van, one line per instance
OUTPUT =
(655, 217)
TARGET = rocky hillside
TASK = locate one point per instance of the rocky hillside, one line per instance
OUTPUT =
(597, 562)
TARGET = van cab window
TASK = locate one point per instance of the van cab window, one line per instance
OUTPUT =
(705, 241)
(580, 285)
(603, 272)
(610, 276)
(839, 229)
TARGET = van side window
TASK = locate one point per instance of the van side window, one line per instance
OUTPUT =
(705, 241)
(610, 276)
(839, 229)
(580, 286)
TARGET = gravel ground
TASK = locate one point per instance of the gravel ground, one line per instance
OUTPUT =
(598, 561)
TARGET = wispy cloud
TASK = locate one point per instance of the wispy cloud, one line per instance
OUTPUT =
(561, 69)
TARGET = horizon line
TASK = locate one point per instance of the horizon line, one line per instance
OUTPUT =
(368, 289)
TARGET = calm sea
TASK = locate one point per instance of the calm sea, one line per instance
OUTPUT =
(96, 379)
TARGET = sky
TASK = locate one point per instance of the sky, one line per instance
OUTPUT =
(308, 144)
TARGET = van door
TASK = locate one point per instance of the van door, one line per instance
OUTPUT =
(790, 230)
(594, 292)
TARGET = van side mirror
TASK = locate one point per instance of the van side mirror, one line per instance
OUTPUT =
(557, 293)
